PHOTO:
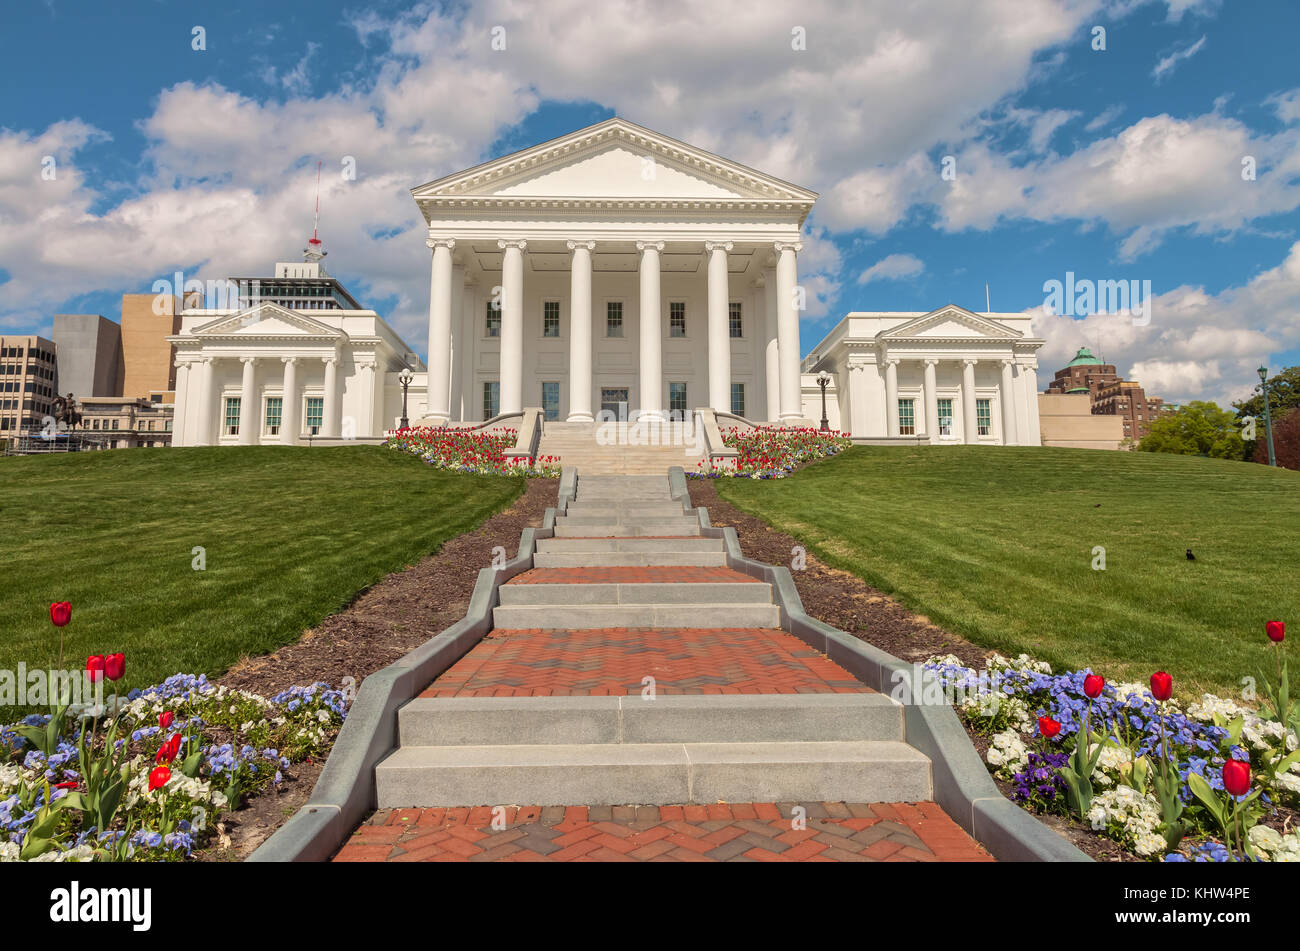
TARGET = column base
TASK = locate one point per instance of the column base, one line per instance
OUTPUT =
(580, 418)
(797, 422)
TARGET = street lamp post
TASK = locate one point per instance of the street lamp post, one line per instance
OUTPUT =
(824, 381)
(1268, 419)
(405, 378)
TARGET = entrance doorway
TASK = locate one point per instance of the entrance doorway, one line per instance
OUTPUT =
(613, 403)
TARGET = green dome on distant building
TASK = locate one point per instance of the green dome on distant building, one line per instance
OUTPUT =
(1084, 358)
(1079, 389)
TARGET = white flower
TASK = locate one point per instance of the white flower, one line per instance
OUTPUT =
(1264, 838)
(1007, 753)
(1135, 817)
(9, 851)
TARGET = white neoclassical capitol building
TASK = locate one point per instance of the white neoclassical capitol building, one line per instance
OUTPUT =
(613, 269)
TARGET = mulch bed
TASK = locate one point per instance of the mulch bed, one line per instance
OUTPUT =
(383, 623)
(845, 601)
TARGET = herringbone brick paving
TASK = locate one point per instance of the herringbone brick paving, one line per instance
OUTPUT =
(722, 832)
(631, 574)
(613, 662)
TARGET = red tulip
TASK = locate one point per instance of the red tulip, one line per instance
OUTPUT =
(1092, 685)
(1048, 727)
(1162, 685)
(95, 668)
(166, 718)
(115, 666)
(167, 752)
(1236, 777)
(1275, 630)
(61, 613)
(159, 777)
(69, 785)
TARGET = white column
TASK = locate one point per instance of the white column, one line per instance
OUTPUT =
(858, 399)
(580, 332)
(365, 399)
(1007, 397)
(1029, 387)
(206, 410)
(289, 424)
(459, 341)
(331, 421)
(787, 330)
(931, 402)
(181, 402)
(650, 369)
(379, 417)
(771, 356)
(969, 424)
(891, 397)
(719, 332)
(512, 326)
(440, 329)
(248, 412)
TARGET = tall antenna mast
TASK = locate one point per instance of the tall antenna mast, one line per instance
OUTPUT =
(315, 250)
(987, 308)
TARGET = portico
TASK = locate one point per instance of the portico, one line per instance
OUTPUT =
(613, 267)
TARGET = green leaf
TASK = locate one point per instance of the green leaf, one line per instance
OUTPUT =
(1207, 796)
(34, 846)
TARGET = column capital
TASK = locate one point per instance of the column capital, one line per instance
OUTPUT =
(1007, 361)
(331, 360)
(435, 243)
(893, 361)
(780, 246)
(288, 360)
(649, 245)
(970, 361)
(585, 245)
(247, 360)
(516, 243)
(712, 246)
(931, 361)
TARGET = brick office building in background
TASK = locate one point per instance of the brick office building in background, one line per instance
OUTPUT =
(1111, 396)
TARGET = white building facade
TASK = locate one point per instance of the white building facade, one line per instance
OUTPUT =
(948, 376)
(302, 364)
(613, 269)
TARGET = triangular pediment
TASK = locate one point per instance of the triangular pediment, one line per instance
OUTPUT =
(614, 159)
(949, 323)
(267, 320)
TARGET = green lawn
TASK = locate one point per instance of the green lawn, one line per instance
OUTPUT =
(291, 536)
(997, 544)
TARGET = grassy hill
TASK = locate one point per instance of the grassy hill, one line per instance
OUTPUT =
(290, 535)
(996, 543)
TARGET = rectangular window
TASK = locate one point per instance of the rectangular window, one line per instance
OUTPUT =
(551, 400)
(274, 410)
(983, 418)
(945, 417)
(315, 414)
(677, 400)
(491, 398)
(677, 318)
(735, 322)
(232, 416)
(493, 325)
(907, 417)
(551, 318)
(738, 398)
(614, 318)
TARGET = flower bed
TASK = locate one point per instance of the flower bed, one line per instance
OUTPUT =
(1209, 781)
(470, 450)
(144, 777)
(771, 453)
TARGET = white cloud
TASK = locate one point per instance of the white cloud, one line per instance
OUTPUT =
(1197, 345)
(1168, 63)
(891, 268)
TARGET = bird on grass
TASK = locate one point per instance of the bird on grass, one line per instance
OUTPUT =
(1190, 556)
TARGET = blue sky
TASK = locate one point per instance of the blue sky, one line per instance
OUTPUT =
(1105, 163)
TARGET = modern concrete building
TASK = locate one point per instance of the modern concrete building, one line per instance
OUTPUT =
(148, 321)
(28, 383)
(90, 355)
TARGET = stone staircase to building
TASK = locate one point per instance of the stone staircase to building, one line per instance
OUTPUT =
(621, 448)
(630, 665)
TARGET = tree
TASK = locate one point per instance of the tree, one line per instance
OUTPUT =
(1286, 441)
(1283, 395)
(1197, 429)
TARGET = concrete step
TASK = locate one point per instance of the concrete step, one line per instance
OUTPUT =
(586, 617)
(567, 529)
(668, 524)
(622, 508)
(653, 774)
(685, 543)
(630, 559)
(637, 593)
(715, 718)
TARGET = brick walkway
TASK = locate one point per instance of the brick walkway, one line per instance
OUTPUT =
(612, 662)
(725, 832)
(633, 575)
